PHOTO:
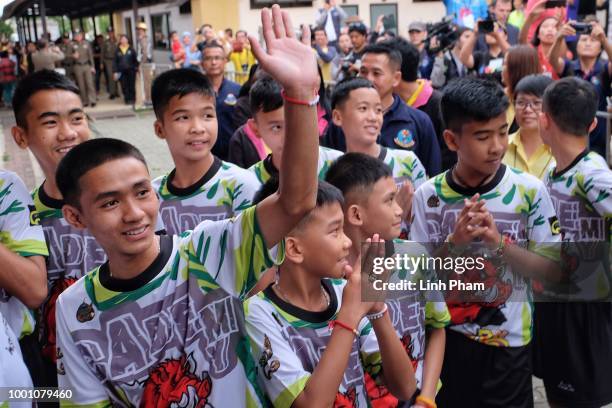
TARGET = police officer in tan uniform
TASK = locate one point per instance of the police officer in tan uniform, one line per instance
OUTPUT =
(46, 56)
(145, 67)
(68, 62)
(109, 49)
(84, 68)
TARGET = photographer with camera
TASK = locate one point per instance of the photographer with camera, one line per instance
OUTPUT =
(588, 65)
(490, 62)
(341, 63)
(447, 64)
(500, 11)
(417, 32)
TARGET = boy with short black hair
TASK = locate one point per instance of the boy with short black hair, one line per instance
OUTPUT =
(573, 334)
(23, 277)
(403, 127)
(302, 364)
(268, 123)
(201, 186)
(50, 121)
(509, 218)
(371, 207)
(162, 323)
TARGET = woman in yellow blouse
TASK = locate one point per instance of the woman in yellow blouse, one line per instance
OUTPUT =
(526, 151)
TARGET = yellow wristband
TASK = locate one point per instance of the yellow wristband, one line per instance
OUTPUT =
(429, 403)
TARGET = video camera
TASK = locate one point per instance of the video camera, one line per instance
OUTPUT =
(444, 31)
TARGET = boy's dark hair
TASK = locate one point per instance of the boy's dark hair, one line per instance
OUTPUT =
(85, 157)
(178, 82)
(357, 171)
(319, 28)
(211, 45)
(395, 58)
(43, 80)
(574, 92)
(265, 95)
(533, 85)
(471, 99)
(326, 194)
(358, 27)
(410, 57)
(343, 90)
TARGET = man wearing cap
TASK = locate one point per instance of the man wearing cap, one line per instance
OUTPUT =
(84, 68)
(46, 57)
(109, 49)
(417, 31)
(145, 69)
(68, 62)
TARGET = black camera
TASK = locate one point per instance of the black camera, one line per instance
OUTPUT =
(445, 32)
(582, 28)
(486, 26)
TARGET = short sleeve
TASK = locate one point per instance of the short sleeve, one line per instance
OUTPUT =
(18, 231)
(368, 349)
(597, 188)
(231, 253)
(543, 224)
(242, 189)
(281, 371)
(73, 373)
(437, 315)
(418, 226)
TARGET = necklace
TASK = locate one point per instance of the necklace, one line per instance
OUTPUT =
(157, 239)
(461, 181)
(286, 299)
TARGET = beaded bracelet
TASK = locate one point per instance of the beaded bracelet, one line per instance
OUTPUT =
(376, 316)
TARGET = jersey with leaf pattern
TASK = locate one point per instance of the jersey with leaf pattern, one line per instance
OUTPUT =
(582, 196)
(223, 192)
(405, 166)
(175, 334)
(288, 343)
(20, 234)
(264, 169)
(523, 211)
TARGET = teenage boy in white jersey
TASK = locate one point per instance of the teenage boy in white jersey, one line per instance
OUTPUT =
(162, 321)
(504, 216)
(573, 334)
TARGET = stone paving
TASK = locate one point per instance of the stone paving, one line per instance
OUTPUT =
(117, 121)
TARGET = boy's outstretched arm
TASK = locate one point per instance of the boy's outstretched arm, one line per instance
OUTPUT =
(293, 64)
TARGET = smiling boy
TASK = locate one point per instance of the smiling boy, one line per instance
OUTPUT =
(161, 322)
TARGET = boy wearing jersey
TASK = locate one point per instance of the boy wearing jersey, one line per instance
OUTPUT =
(268, 123)
(508, 217)
(302, 363)
(573, 352)
(49, 122)
(161, 323)
(357, 110)
(201, 186)
(23, 283)
(370, 207)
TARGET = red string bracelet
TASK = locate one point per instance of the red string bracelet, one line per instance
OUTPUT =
(313, 102)
(335, 323)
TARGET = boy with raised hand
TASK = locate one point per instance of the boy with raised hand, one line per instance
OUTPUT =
(302, 363)
(357, 110)
(371, 207)
(161, 323)
(403, 127)
(23, 278)
(509, 217)
(268, 122)
(201, 186)
(49, 122)
(572, 338)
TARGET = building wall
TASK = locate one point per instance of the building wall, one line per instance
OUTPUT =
(221, 14)
(408, 11)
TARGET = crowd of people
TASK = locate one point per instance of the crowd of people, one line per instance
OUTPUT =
(237, 278)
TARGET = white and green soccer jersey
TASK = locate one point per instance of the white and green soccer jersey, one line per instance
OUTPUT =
(288, 343)
(265, 169)
(72, 253)
(13, 371)
(20, 234)
(523, 211)
(175, 334)
(582, 196)
(223, 192)
(405, 166)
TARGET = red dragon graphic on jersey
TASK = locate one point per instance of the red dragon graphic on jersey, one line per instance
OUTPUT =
(58, 287)
(347, 399)
(172, 383)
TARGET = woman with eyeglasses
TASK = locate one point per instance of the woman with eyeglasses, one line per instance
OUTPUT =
(526, 151)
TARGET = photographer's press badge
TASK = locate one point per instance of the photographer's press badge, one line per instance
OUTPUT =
(404, 139)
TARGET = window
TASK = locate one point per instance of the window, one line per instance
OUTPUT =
(257, 4)
(350, 10)
(160, 27)
(390, 13)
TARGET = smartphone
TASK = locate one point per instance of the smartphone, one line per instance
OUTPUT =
(486, 26)
(555, 3)
(582, 28)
